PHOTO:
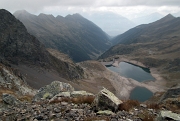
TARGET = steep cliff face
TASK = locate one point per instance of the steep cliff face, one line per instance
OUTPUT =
(18, 47)
(16, 44)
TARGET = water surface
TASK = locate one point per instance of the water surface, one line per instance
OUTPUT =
(141, 94)
(137, 73)
(132, 71)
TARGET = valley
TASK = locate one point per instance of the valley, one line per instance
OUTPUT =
(155, 45)
(46, 60)
(73, 35)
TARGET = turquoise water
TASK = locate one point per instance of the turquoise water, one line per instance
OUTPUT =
(132, 71)
(137, 73)
(141, 94)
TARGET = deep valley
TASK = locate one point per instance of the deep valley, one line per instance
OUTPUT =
(54, 68)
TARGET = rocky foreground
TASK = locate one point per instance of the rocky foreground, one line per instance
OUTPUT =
(59, 102)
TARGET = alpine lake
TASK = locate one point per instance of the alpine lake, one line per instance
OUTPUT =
(137, 73)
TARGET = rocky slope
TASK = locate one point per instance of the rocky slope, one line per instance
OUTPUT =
(12, 81)
(20, 50)
(58, 101)
(73, 35)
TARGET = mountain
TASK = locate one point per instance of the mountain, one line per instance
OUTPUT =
(113, 24)
(147, 19)
(73, 35)
(22, 51)
(161, 29)
(156, 45)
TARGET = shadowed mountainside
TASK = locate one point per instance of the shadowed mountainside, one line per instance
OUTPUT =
(18, 47)
(73, 35)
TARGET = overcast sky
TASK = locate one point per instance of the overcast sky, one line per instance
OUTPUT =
(127, 8)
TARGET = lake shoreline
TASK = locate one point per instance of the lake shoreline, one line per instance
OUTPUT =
(157, 85)
(153, 71)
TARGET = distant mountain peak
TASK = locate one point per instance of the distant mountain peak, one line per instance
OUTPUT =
(167, 18)
(18, 12)
(24, 13)
(76, 15)
(49, 15)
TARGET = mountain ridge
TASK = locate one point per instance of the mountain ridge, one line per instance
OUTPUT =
(74, 35)
(146, 32)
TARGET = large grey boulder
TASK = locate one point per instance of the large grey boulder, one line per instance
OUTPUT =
(10, 99)
(74, 96)
(168, 115)
(53, 89)
(106, 100)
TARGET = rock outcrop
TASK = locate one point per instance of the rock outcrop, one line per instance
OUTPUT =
(10, 81)
(53, 89)
(106, 100)
(171, 93)
(10, 99)
(74, 97)
(168, 115)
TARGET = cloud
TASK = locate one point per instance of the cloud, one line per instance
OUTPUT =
(39, 4)
(144, 3)
(129, 8)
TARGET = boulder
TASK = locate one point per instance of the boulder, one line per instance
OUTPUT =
(82, 97)
(10, 99)
(80, 94)
(106, 100)
(53, 89)
(105, 112)
(168, 115)
(59, 97)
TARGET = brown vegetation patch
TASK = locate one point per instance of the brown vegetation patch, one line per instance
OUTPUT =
(5, 90)
(153, 106)
(128, 105)
(172, 104)
(83, 99)
(26, 98)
